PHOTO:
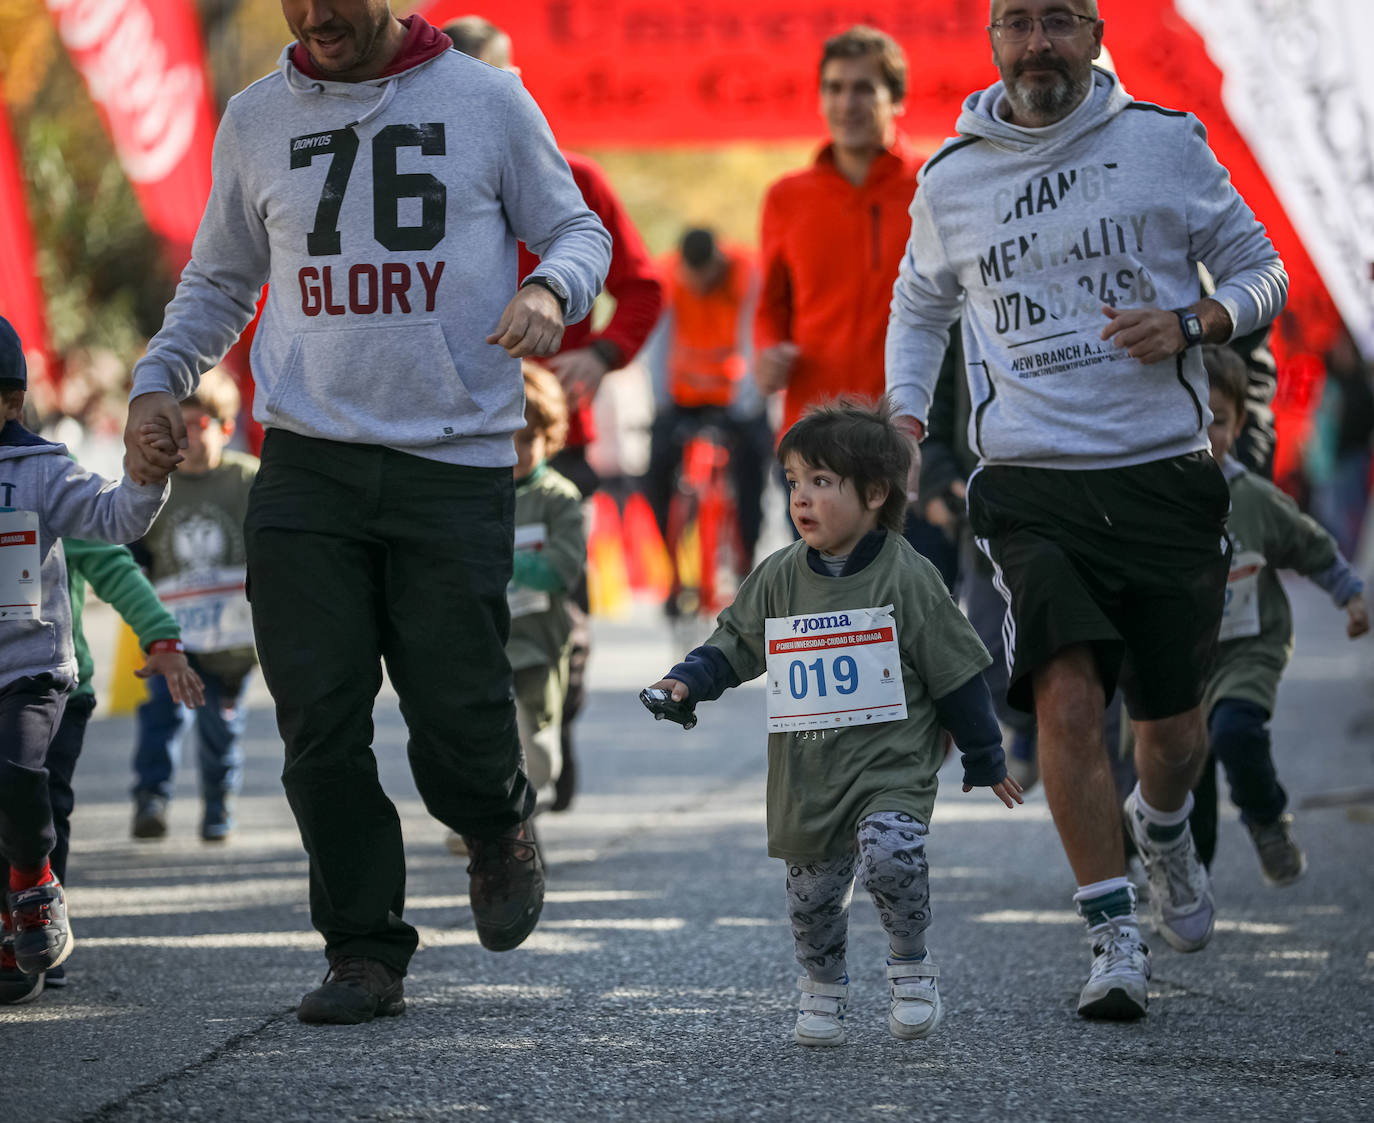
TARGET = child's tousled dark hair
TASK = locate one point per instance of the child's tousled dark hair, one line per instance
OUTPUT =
(1226, 372)
(857, 441)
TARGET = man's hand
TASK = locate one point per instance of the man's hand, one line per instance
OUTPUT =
(532, 323)
(1357, 616)
(183, 683)
(154, 436)
(1148, 334)
(579, 372)
(773, 366)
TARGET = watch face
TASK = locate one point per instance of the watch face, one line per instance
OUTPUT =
(1192, 327)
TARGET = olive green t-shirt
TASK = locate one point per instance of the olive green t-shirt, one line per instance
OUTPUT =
(822, 783)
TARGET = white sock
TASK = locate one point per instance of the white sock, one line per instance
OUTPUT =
(1163, 818)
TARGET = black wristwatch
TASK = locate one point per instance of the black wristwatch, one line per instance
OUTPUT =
(554, 285)
(1191, 324)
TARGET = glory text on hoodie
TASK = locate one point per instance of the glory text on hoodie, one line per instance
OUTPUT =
(385, 217)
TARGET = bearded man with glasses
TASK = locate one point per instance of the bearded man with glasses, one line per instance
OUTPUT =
(1066, 224)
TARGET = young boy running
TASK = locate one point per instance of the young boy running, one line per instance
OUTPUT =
(195, 558)
(868, 662)
(112, 574)
(550, 555)
(1269, 533)
(44, 496)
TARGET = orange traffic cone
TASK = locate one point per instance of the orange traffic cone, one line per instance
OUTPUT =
(646, 557)
(607, 581)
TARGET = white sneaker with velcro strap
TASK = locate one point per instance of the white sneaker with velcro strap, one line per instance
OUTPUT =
(916, 1008)
(820, 1013)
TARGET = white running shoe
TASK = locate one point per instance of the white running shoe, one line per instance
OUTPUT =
(820, 1013)
(1181, 905)
(916, 1008)
(1117, 984)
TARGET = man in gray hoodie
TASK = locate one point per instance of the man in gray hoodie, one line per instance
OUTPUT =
(381, 182)
(1066, 223)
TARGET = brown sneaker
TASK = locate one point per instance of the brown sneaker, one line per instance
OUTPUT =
(506, 886)
(1281, 859)
(355, 990)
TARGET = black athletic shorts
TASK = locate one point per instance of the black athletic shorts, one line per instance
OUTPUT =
(1132, 561)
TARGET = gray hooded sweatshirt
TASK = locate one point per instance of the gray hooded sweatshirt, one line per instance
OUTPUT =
(385, 215)
(37, 475)
(1027, 233)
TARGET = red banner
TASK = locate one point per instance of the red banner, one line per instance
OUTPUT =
(21, 297)
(143, 63)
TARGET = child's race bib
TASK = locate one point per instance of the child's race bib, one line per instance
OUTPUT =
(831, 669)
(1240, 618)
(523, 601)
(210, 608)
(21, 583)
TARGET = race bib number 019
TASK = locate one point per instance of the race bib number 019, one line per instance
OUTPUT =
(210, 608)
(21, 582)
(830, 670)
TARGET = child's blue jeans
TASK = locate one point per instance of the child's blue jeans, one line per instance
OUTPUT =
(1239, 732)
(163, 724)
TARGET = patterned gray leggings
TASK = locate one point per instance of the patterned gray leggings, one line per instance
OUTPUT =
(891, 863)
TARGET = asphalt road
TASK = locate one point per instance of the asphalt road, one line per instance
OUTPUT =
(660, 983)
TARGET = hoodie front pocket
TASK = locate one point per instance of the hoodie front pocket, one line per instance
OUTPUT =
(392, 384)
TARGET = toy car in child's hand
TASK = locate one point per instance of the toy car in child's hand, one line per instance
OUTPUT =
(660, 703)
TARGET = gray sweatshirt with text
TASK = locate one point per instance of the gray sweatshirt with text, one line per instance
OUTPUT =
(1027, 233)
(385, 217)
(70, 502)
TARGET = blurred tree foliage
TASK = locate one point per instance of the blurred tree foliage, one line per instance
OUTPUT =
(103, 272)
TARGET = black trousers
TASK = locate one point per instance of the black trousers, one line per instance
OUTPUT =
(359, 554)
(63, 754)
(30, 712)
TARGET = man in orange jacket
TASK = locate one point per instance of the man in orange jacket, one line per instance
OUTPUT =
(700, 355)
(834, 233)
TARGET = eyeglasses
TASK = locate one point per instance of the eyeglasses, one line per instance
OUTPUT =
(203, 422)
(1056, 25)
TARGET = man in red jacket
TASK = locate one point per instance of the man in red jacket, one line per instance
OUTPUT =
(587, 356)
(834, 233)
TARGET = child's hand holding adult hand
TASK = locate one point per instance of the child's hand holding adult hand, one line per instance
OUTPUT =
(1357, 616)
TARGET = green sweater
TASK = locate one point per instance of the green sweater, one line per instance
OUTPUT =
(1269, 533)
(116, 579)
(548, 507)
(822, 783)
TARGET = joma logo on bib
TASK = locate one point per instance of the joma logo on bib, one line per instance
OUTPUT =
(806, 624)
